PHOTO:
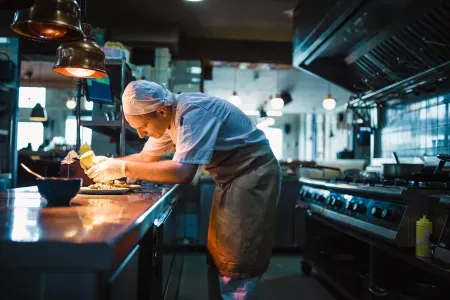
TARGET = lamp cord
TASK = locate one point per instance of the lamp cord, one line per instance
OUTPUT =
(83, 10)
(235, 79)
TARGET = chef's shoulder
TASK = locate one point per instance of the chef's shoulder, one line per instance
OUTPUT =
(194, 106)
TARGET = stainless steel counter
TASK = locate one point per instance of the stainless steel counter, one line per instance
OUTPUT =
(95, 232)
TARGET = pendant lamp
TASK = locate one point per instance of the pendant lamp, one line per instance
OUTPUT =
(277, 102)
(38, 113)
(329, 103)
(49, 20)
(234, 98)
(82, 59)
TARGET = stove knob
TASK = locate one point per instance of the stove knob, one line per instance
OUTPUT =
(388, 214)
(376, 212)
(349, 205)
(359, 208)
(321, 198)
(329, 200)
(336, 203)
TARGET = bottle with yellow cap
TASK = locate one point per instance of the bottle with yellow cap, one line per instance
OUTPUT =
(424, 229)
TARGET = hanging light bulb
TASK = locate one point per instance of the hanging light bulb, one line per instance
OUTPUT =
(82, 59)
(234, 98)
(329, 103)
(277, 102)
(71, 104)
(49, 20)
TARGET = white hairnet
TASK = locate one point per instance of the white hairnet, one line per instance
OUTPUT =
(141, 97)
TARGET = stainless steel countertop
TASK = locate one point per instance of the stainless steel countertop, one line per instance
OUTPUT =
(95, 232)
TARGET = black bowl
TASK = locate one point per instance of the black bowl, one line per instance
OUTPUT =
(59, 191)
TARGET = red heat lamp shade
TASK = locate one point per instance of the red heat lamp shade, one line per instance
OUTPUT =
(49, 20)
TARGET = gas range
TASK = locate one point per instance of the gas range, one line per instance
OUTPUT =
(383, 210)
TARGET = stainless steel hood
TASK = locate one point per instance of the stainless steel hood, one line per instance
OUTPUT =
(373, 47)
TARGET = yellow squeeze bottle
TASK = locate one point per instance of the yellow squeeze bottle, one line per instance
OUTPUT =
(424, 229)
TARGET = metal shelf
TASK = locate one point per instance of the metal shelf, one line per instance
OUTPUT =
(111, 129)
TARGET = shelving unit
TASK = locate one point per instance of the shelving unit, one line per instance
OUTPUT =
(111, 128)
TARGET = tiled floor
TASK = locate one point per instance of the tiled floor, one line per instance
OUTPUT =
(283, 280)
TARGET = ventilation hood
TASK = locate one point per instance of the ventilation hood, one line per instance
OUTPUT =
(373, 47)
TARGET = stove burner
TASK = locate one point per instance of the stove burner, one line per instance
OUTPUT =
(422, 181)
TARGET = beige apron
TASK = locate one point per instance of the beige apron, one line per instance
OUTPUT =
(241, 230)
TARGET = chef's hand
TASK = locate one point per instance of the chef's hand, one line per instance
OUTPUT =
(107, 170)
(97, 160)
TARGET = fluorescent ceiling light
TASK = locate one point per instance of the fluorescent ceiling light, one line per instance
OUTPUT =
(251, 112)
(195, 79)
(274, 113)
(193, 0)
(196, 70)
(3, 40)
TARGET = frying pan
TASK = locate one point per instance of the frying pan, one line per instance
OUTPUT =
(399, 170)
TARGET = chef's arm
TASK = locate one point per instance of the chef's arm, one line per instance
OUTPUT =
(167, 171)
(141, 157)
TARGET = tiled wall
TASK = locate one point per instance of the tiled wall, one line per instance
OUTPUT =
(419, 128)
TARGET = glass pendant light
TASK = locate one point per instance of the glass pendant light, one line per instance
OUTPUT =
(329, 103)
(234, 98)
(38, 113)
(82, 59)
(71, 104)
(49, 20)
(277, 102)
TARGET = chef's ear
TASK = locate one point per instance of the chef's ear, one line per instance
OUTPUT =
(162, 111)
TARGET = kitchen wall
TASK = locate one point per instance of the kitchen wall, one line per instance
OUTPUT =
(419, 127)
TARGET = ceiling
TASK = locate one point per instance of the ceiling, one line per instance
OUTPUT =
(228, 19)
(307, 91)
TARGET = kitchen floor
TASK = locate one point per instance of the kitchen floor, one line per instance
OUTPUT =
(283, 280)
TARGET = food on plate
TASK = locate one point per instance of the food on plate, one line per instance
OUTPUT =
(109, 185)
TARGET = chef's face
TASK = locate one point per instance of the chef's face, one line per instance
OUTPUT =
(153, 124)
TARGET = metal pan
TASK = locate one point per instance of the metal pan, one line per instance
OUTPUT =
(399, 170)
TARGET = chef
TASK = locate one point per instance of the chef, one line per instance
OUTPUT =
(205, 130)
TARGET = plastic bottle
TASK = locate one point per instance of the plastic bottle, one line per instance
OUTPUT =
(424, 229)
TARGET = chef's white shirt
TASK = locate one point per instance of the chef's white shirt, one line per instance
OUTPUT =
(201, 125)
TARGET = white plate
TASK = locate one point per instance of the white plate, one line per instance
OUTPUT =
(112, 191)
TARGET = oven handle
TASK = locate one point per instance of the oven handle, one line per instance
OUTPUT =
(163, 216)
(377, 291)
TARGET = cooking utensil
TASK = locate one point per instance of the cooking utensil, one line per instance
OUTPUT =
(399, 170)
(31, 172)
(444, 159)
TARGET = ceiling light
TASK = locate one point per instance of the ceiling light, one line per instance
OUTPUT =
(251, 112)
(277, 103)
(193, 0)
(49, 20)
(329, 103)
(82, 59)
(235, 99)
(196, 70)
(195, 79)
(71, 104)
(38, 113)
(274, 113)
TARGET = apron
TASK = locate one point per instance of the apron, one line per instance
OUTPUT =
(241, 231)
